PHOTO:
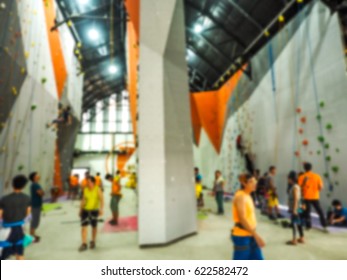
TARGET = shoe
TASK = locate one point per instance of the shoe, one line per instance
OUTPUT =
(37, 239)
(92, 245)
(301, 240)
(83, 247)
(112, 223)
(291, 242)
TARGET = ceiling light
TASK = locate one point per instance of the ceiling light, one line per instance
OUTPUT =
(83, 2)
(198, 28)
(112, 69)
(93, 34)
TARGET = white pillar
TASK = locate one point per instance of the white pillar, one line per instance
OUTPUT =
(167, 204)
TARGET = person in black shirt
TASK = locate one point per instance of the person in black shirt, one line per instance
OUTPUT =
(37, 194)
(14, 208)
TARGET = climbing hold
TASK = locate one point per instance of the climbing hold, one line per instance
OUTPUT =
(311, 153)
(337, 150)
(281, 18)
(22, 70)
(266, 33)
(297, 154)
(300, 1)
(43, 80)
(69, 23)
(327, 146)
(305, 142)
(328, 158)
(298, 110)
(319, 117)
(303, 119)
(326, 175)
(33, 107)
(14, 91)
(20, 167)
(337, 183)
(335, 169)
(329, 126)
(322, 104)
(321, 139)
(26, 55)
(301, 131)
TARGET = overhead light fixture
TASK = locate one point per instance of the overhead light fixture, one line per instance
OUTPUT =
(198, 28)
(112, 69)
(83, 2)
(93, 34)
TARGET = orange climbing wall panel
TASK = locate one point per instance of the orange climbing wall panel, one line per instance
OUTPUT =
(133, 8)
(211, 108)
(133, 52)
(57, 55)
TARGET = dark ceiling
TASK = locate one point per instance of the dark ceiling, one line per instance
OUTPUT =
(221, 37)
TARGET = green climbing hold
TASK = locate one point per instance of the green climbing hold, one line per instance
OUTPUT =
(33, 107)
(326, 175)
(335, 169)
(329, 126)
(43, 80)
(319, 117)
(337, 150)
(328, 158)
(322, 104)
(319, 152)
(327, 146)
(321, 139)
(20, 167)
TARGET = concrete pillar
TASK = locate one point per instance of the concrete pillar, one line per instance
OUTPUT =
(167, 204)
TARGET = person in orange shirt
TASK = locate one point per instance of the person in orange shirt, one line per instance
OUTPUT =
(311, 185)
(99, 181)
(247, 242)
(116, 196)
(84, 182)
(73, 190)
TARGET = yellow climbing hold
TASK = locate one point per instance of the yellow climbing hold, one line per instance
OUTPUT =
(281, 18)
(22, 70)
(300, 1)
(266, 33)
(69, 23)
(79, 45)
(77, 52)
(14, 91)
(26, 54)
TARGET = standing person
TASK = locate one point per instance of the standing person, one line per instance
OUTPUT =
(98, 181)
(247, 242)
(73, 186)
(92, 206)
(37, 194)
(295, 208)
(338, 217)
(84, 182)
(199, 194)
(197, 174)
(116, 196)
(255, 196)
(311, 185)
(273, 202)
(218, 190)
(14, 208)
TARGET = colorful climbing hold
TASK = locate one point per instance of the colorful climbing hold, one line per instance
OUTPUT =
(329, 126)
(326, 146)
(301, 131)
(326, 175)
(297, 154)
(337, 150)
(328, 158)
(33, 107)
(266, 33)
(14, 91)
(305, 142)
(43, 80)
(20, 167)
(321, 139)
(322, 104)
(303, 119)
(335, 169)
(281, 18)
(319, 117)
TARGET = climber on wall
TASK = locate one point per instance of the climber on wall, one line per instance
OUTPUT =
(64, 117)
(239, 145)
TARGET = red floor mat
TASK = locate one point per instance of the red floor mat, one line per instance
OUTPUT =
(124, 224)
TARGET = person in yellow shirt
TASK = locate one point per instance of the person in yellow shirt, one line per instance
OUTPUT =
(311, 185)
(92, 206)
(247, 242)
(99, 181)
(198, 193)
(116, 196)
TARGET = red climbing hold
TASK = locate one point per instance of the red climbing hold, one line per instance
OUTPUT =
(297, 154)
(301, 131)
(305, 142)
(303, 119)
(298, 110)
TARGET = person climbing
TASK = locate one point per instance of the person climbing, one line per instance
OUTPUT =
(239, 145)
(116, 196)
(64, 117)
(99, 181)
(84, 183)
(273, 202)
(338, 217)
(14, 208)
(218, 191)
(247, 242)
(73, 187)
(198, 193)
(311, 185)
(295, 208)
(92, 205)
(37, 194)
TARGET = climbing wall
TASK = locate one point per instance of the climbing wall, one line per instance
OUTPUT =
(28, 92)
(294, 108)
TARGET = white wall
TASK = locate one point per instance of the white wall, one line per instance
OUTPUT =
(318, 41)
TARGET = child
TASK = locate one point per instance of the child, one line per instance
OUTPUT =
(14, 208)
(295, 208)
(338, 217)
